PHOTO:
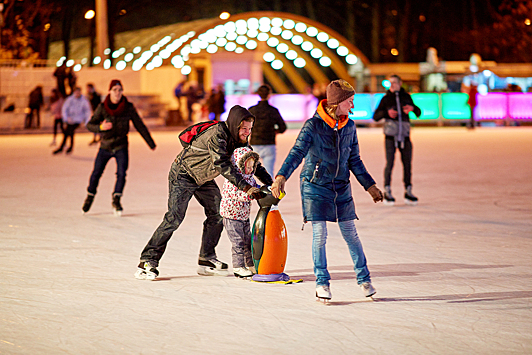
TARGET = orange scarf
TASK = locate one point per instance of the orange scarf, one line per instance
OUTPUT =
(328, 119)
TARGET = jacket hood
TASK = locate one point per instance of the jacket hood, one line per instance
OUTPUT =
(236, 115)
(239, 158)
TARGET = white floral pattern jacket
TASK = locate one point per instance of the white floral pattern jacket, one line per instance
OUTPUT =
(236, 204)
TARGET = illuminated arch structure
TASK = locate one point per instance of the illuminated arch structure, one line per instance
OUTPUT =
(301, 49)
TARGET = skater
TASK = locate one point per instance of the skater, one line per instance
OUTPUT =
(35, 102)
(328, 142)
(111, 120)
(95, 100)
(394, 108)
(235, 209)
(56, 104)
(216, 103)
(268, 123)
(192, 174)
(75, 110)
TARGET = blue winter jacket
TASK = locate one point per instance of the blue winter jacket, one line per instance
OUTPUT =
(330, 154)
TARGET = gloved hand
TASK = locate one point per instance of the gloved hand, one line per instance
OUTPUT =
(375, 193)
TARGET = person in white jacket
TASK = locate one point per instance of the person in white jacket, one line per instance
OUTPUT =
(235, 209)
(76, 110)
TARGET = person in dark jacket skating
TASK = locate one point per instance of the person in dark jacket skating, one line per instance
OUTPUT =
(111, 121)
(394, 108)
(329, 144)
(192, 174)
(268, 123)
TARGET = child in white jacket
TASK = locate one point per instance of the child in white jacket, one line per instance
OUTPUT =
(235, 210)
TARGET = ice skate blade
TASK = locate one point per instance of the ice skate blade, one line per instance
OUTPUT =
(325, 301)
(118, 213)
(210, 271)
(141, 274)
(410, 202)
(388, 203)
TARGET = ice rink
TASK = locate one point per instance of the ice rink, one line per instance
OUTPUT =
(453, 274)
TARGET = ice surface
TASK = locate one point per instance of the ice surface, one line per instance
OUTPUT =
(453, 274)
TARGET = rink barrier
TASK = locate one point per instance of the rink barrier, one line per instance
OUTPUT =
(435, 108)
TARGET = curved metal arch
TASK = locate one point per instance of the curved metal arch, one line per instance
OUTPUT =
(296, 18)
(288, 68)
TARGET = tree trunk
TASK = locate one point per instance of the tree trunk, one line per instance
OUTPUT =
(375, 32)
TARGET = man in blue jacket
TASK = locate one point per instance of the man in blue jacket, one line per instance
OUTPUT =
(329, 144)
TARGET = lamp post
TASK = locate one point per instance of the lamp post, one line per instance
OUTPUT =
(89, 15)
(102, 35)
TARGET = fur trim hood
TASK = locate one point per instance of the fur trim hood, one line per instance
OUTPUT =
(239, 158)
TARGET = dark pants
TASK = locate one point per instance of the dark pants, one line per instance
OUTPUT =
(406, 158)
(181, 189)
(69, 132)
(122, 161)
(58, 122)
(29, 117)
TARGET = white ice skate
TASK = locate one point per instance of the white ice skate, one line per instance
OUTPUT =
(323, 294)
(242, 272)
(368, 289)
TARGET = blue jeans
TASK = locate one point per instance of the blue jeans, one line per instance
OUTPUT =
(181, 189)
(122, 161)
(349, 232)
(267, 153)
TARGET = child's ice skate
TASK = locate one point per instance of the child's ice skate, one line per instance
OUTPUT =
(323, 294)
(116, 205)
(242, 272)
(147, 270)
(212, 267)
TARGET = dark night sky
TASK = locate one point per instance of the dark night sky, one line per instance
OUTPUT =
(447, 25)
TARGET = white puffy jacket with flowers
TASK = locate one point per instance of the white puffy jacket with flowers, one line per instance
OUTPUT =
(236, 204)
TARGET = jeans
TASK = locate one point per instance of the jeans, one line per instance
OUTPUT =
(181, 189)
(406, 158)
(239, 233)
(267, 153)
(349, 232)
(122, 161)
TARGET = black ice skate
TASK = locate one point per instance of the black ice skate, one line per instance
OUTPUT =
(116, 205)
(147, 270)
(212, 267)
(410, 199)
(88, 203)
(389, 200)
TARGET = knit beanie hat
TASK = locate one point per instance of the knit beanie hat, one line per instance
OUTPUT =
(338, 91)
(115, 82)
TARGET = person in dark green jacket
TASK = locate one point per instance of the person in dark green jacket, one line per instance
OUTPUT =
(111, 121)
